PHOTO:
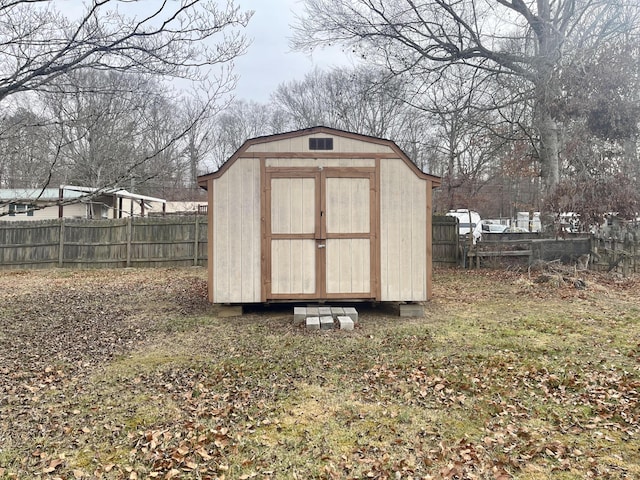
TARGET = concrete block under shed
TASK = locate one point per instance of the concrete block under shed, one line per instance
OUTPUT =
(351, 313)
(326, 322)
(313, 323)
(411, 310)
(336, 311)
(324, 311)
(299, 315)
(345, 322)
(312, 311)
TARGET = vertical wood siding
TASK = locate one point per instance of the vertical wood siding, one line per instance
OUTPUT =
(445, 240)
(236, 234)
(138, 242)
(348, 266)
(403, 216)
(292, 205)
(348, 209)
(293, 266)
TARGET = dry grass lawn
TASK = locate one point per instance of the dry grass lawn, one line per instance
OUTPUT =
(125, 374)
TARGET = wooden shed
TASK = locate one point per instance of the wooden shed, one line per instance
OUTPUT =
(319, 214)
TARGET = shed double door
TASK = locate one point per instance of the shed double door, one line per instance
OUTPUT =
(320, 230)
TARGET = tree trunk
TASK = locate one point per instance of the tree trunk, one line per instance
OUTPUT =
(450, 169)
(547, 94)
(548, 148)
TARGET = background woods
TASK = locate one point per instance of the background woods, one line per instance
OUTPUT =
(90, 96)
(517, 105)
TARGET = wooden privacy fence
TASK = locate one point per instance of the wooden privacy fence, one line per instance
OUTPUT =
(139, 242)
(130, 242)
(445, 240)
(179, 241)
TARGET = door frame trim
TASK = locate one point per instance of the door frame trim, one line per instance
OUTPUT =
(320, 174)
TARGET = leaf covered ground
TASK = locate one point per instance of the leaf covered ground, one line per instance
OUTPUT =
(125, 374)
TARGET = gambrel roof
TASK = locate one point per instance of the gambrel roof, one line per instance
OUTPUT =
(246, 150)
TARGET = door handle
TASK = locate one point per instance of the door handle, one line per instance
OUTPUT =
(321, 245)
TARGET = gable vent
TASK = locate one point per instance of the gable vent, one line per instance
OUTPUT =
(321, 144)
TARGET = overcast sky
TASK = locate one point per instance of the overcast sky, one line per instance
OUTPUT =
(270, 60)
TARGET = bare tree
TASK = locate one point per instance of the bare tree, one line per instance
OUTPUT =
(199, 139)
(39, 44)
(101, 125)
(201, 113)
(24, 149)
(47, 57)
(241, 121)
(159, 167)
(604, 100)
(363, 99)
(527, 39)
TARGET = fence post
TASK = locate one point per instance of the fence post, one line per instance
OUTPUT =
(61, 244)
(626, 256)
(196, 241)
(129, 235)
(633, 251)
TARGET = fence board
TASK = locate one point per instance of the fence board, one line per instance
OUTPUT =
(445, 240)
(99, 242)
(29, 245)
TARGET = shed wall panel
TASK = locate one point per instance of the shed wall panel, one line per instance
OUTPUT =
(236, 234)
(416, 198)
(403, 245)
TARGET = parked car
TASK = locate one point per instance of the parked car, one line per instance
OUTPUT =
(493, 228)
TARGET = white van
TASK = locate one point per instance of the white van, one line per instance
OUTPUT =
(468, 222)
